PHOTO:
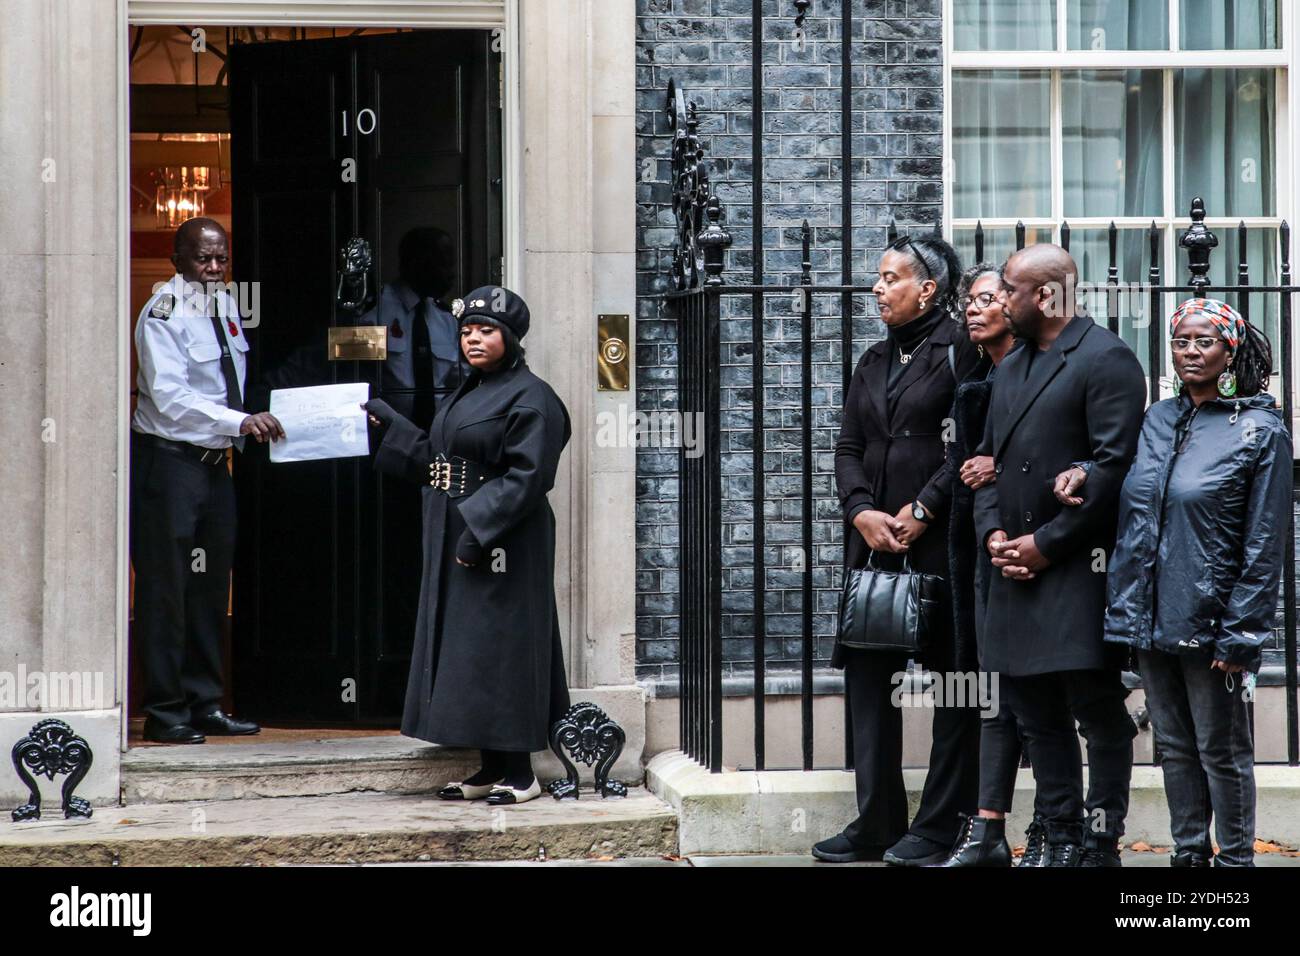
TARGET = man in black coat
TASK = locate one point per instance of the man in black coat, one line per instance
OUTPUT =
(1075, 393)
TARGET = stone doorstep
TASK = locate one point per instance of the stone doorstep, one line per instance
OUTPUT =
(346, 828)
(236, 771)
(787, 811)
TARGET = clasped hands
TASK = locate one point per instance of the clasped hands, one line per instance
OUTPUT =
(1019, 558)
(885, 532)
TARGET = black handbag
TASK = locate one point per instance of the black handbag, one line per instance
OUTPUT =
(884, 610)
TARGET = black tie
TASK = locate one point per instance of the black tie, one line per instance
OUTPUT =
(233, 401)
(422, 365)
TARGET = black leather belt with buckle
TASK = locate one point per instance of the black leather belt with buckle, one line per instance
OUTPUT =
(457, 477)
(206, 456)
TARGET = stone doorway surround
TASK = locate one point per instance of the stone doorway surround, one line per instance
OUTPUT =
(64, 266)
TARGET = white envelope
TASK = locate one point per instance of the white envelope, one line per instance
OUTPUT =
(324, 421)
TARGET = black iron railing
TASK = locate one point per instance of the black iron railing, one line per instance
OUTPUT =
(695, 297)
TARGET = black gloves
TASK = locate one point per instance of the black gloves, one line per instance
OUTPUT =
(468, 550)
(381, 410)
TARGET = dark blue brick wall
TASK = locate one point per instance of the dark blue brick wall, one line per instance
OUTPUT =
(896, 89)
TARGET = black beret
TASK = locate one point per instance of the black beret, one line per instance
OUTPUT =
(496, 306)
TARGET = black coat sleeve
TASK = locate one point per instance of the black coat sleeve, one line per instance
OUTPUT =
(936, 496)
(1114, 399)
(405, 451)
(987, 517)
(855, 488)
(1247, 620)
(534, 439)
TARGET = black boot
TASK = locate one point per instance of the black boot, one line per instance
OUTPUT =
(1182, 858)
(1100, 850)
(983, 842)
(1063, 854)
(1035, 844)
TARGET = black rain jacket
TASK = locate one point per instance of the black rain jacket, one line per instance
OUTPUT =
(1202, 527)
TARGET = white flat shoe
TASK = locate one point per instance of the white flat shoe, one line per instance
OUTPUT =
(466, 791)
(501, 794)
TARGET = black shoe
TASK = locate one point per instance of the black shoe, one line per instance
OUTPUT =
(1100, 851)
(1063, 854)
(915, 850)
(218, 724)
(983, 842)
(160, 733)
(1035, 844)
(1183, 858)
(840, 849)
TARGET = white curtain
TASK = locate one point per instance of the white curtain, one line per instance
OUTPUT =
(1001, 143)
(1004, 24)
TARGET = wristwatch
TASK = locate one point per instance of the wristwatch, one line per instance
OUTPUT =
(919, 513)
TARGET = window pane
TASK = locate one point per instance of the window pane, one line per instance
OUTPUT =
(1118, 25)
(1229, 25)
(1004, 24)
(1110, 124)
(1225, 130)
(998, 243)
(1261, 257)
(1131, 305)
(1001, 144)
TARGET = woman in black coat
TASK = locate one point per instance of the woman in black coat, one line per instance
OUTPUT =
(983, 841)
(487, 669)
(893, 485)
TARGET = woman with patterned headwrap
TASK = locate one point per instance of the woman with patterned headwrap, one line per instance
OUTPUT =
(1193, 581)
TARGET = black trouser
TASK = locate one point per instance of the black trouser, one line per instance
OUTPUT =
(950, 783)
(1045, 704)
(1000, 748)
(182, 546)
(1201, 720)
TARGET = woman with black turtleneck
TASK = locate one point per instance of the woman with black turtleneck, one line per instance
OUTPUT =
(894, 486)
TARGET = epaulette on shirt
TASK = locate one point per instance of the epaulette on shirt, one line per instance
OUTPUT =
(162, 309)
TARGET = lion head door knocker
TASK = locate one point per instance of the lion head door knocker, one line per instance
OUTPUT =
(51, 747)
(355, 262)
(591, 737)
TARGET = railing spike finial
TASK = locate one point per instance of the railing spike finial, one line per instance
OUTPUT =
(979, 240)
(713, 241)
(1065, 236)
(1198, 241)
(1020, 234)
(891, 234)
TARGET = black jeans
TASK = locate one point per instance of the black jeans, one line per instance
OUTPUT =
(1048, 705)
(1000, 747)
(1202, 729)
(953, 775)
(182, 521)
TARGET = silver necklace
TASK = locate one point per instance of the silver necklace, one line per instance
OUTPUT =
(905, 357)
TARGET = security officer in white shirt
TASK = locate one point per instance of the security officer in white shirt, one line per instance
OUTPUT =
(424, 355)
(192, 352)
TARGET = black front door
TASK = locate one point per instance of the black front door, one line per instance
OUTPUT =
(377, 138)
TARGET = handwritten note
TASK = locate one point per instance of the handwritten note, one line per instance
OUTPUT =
(324, 421)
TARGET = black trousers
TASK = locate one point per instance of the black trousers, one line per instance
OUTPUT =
(1000, 748)
(953, 776)
(182, 546)
(1048, 705)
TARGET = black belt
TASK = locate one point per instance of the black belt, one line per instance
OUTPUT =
(206, 456)
(457, 477)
